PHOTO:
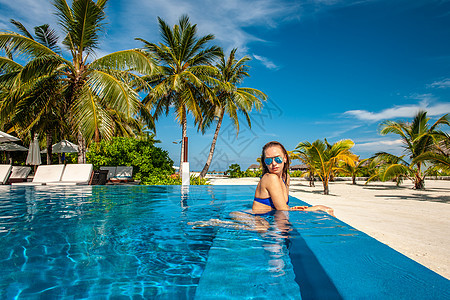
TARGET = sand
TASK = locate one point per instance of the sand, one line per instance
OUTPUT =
(414, 223)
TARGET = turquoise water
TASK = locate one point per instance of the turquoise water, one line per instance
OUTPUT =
(141, 242)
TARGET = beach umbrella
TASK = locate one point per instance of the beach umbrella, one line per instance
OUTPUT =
(63, 147)
(4, 137)
(11, 147)
(34, 155)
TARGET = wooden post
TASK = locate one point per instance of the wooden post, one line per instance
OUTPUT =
(185, 150)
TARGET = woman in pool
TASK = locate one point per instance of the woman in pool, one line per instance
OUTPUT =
(272, 192)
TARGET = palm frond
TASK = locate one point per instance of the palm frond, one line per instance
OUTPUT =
(130, 60)
(21, 28)
(23, 45)
(113, 92)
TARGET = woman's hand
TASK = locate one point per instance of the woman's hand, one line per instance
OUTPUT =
(298, 207)
(324, 208)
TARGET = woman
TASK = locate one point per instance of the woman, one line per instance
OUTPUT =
(272, 192)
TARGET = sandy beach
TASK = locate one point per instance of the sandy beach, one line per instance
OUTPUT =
(415, 223)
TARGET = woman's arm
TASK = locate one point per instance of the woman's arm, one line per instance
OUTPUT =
(273, 185)
(323, 208)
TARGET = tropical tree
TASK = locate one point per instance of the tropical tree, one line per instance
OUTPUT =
(96, 97)
(419, 140)
(324, 157)
(184, 73)
(34, 106)
(439, 156)
(354, 169)
(307, 160)
(230, 98)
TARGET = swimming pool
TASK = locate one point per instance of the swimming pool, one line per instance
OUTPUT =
(143, 242)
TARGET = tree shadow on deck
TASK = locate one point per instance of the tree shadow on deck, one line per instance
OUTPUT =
(299, 188)
(417, 197)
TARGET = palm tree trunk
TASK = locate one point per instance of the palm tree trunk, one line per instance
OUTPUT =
(354, 179)
(311, 178)
(81, 148)
(419, 182)
(213, 146)
(325, 185)
(183, 135)
(97, 135)
(49, 147)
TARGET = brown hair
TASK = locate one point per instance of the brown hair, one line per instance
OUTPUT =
(265, 169)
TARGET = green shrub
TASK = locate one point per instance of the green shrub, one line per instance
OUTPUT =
(296, 173)
(172, 179)
(234, 171)
(151, 164)
(250, 173)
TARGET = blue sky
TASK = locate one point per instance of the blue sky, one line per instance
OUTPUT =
(332, 69)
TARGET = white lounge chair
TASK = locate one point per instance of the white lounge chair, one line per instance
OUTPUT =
(111, 171)
(19, 174)
(75, 174)
(5, 171)
(123, 173)
(44, 175)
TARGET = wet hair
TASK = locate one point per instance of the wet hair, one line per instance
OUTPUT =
(265, 169)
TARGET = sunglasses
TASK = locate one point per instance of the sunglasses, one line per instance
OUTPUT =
(269, 160)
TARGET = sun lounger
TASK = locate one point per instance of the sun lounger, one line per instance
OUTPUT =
(111, 171)
(44, 175)
(5, 171)
(75, 174)
(123, 174)
(19, 174)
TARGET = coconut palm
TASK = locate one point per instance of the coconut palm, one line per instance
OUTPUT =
(37, 109)
(95, 96)
(418, 138)
(324, 157)
(354, 169)
(439, 156)
(307, 160)
(185, 69)
(230, 98)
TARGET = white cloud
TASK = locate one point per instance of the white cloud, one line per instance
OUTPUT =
(230, 20)
(266, 62)
(227, 20)
(31, 13)
(378, 145)
(402, 111)
(441, 84)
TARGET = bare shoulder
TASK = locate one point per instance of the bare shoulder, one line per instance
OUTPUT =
(270, 181)
(268, 177)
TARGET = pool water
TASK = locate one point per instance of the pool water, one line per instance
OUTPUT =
(158, 242)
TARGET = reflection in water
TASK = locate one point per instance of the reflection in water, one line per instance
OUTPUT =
(184, 196)
(276, 229)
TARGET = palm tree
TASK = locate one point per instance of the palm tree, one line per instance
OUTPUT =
(96, 96)
(307, 160)
(185, 70)
(353, 169)
(324, 157)
(418, 138)
(38, 99)
(230, 98)
(439, 156)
